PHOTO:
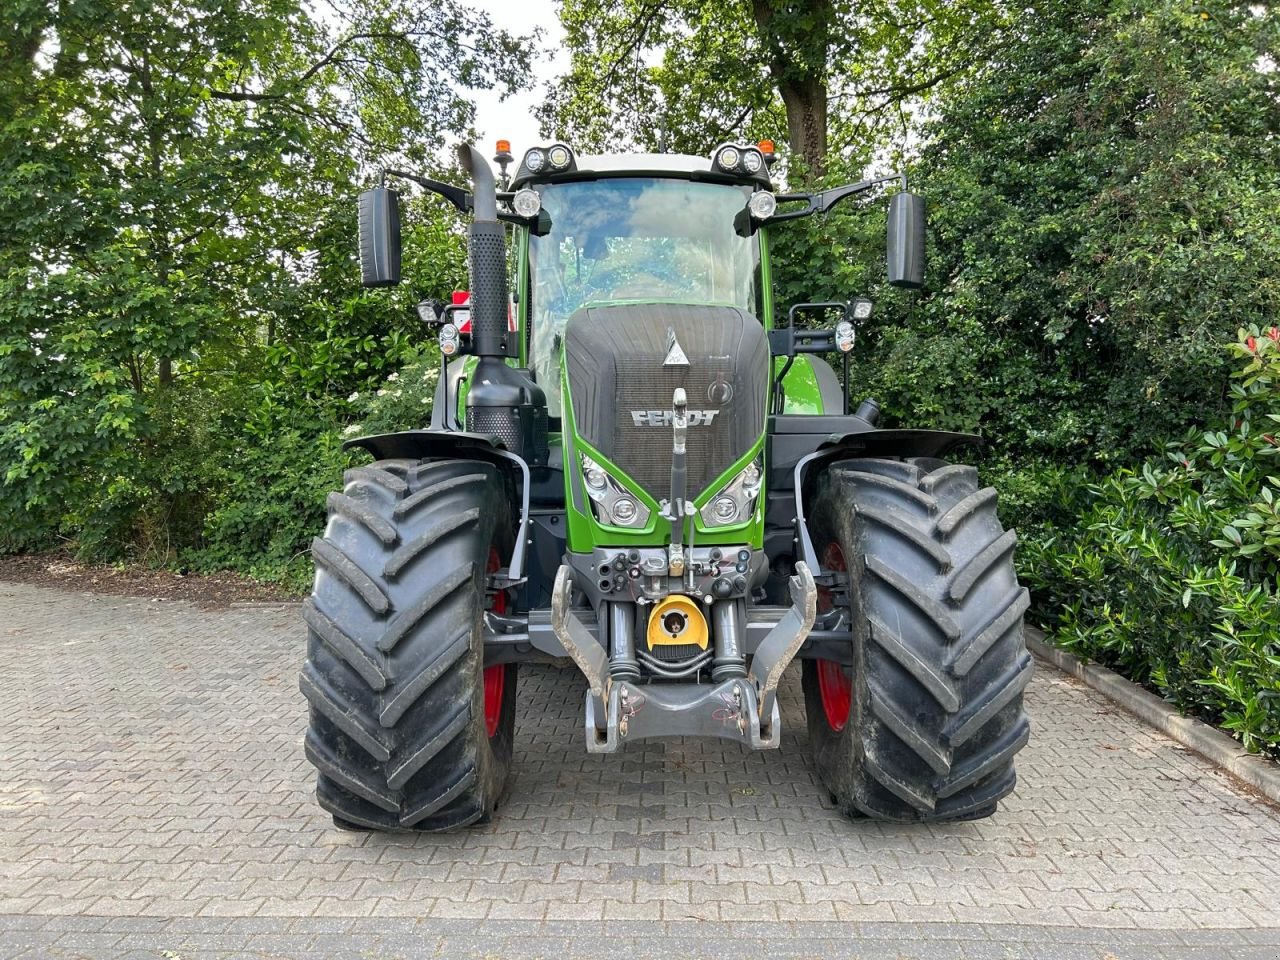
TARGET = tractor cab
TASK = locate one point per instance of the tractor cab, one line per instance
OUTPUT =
(632, 239)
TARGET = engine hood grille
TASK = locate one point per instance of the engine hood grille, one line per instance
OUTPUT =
(623, 365)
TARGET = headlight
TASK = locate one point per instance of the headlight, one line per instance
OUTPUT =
(762, 204)
(526, 203)
(611, 502)
(534, 160)
(725, 509)
(736, 501)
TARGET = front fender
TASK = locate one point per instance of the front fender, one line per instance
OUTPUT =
(458, 445)
(864, 444)
(430, 444)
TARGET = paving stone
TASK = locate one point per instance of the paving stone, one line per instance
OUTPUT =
(153, 754)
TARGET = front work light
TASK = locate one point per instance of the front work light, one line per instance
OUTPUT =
(428, 311)
(535, 160)
(559, 156)
(526, 203)
(762, 204)
(861, 308)
(731, 158)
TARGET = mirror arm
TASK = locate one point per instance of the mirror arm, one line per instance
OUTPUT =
(461, 200)
(829, 198)
(824, 201)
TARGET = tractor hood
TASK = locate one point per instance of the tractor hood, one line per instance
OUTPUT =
(623, 362)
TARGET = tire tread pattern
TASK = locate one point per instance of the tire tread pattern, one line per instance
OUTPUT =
(394, 659)
(938, 719)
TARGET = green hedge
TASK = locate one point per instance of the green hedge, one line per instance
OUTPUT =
(1170, 572)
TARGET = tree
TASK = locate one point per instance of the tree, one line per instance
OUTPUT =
(1104, 211)
(168, 173)
(683, 75)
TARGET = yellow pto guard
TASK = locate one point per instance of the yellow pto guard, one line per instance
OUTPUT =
(677, 621)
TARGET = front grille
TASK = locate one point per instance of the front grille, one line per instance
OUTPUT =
(645, 451)
(614, 362)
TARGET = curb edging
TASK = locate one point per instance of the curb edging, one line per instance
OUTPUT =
(1212, 744)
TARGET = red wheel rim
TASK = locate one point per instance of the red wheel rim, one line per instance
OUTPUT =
(495, 677)
(835, 686)
(836, 690)
(495, 681)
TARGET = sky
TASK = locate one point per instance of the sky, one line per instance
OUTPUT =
(513, 118)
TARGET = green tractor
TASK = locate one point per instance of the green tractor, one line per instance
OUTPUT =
(632, 463)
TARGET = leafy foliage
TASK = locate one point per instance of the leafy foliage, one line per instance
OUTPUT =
(1172, 569)
(1104, 203)
(177, 275)
(683, 76)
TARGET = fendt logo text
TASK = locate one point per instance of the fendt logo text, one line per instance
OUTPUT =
(662, 418)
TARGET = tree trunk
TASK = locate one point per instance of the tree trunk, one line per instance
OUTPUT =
(806, 104)
(798, 64)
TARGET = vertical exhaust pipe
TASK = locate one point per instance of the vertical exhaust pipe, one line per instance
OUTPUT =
(502, 403)
(486, 248)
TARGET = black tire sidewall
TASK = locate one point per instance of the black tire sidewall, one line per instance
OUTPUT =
(496, 751)
(837, 753)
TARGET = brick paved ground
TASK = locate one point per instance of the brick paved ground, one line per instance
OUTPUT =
(156, 804)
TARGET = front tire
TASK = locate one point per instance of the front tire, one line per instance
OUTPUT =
(400, 730)
(924, 719)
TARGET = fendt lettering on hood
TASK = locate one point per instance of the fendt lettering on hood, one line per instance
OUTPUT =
(662, 418)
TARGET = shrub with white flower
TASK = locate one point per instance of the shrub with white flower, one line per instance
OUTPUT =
(404, 403)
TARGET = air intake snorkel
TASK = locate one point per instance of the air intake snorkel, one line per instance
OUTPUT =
(503, 401)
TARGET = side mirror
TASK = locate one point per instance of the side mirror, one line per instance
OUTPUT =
(906, 241)
(380, 237)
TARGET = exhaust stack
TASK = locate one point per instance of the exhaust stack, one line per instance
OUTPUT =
(503, 402)
(486, 248)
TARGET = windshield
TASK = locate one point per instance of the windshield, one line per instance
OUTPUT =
(628, 239)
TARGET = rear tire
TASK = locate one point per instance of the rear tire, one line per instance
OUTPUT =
(395, 657)
(923, 722)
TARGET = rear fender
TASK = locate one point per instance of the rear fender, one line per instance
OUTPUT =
(863, 444)
(457, 445)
